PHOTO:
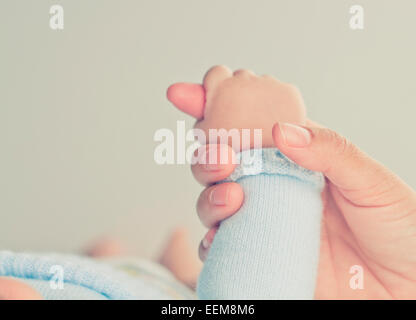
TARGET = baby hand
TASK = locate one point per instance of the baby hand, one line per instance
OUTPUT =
(239, 100)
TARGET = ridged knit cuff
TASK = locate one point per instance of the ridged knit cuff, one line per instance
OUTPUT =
(272, 161)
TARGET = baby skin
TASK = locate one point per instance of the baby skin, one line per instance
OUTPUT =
(239, 100)
(177, 256)
(270, 248)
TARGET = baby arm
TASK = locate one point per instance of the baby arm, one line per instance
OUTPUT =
(269, 249)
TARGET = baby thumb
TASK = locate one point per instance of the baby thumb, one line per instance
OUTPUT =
(188, 97)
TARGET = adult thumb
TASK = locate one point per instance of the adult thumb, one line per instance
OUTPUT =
(358, 177)
(379, 208)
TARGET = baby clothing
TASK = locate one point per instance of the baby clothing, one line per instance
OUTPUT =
(70, 277)
(269, 249)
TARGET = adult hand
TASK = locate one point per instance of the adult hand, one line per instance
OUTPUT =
(369, 217)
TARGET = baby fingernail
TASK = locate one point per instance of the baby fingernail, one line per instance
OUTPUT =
(218, 196)
(295, 136)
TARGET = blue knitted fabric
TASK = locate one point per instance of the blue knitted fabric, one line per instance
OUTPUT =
(270, 248)
(91, 279)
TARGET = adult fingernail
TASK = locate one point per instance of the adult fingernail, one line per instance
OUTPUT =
(219, 196)
(295, 136)
(205, 243)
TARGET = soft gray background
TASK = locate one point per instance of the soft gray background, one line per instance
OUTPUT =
(79, 107)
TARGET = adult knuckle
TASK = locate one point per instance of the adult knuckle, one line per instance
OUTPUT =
(341, 145)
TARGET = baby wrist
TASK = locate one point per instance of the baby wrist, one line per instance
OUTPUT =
(271, 161)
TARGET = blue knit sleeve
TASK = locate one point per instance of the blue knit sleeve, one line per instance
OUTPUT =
(269, 249)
